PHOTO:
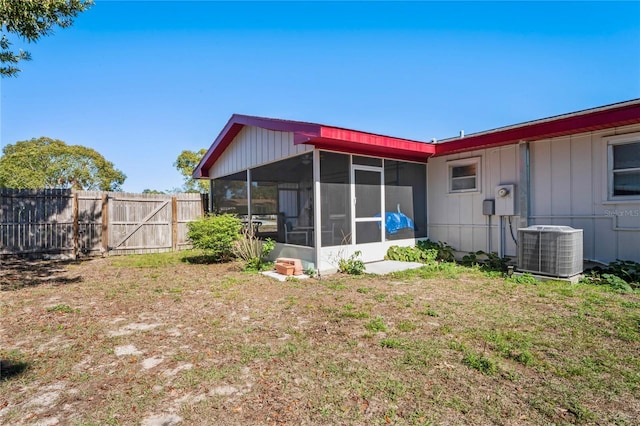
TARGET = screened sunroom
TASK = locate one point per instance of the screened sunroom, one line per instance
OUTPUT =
(322, 193)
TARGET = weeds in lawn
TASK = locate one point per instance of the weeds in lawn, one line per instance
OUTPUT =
(151, 260)
(391, 343)
(380, 297)
(349, 311)
(428, 311)
(479, 362)
(404, 300)
(63, 309)
(376, 325)
(406, 326)
(512, 345)
(241, 349)
(522, 279)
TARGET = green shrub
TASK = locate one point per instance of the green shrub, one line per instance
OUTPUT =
(445, 251)
(412, 254)
(486, 261)
(253, 251)
(353, 265)
(622, 275)
(215, 234)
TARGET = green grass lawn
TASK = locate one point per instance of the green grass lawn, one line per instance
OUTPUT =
(130, 340)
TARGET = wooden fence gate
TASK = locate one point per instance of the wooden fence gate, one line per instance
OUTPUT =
(91, 223)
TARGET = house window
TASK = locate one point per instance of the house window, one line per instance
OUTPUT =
(464, 175)
(624, 169)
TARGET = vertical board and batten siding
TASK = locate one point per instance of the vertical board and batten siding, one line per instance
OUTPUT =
(456, 218)
(69, 222)
(254, 146)
(569, 186)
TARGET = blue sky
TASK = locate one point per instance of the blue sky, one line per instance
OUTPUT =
(140, 81)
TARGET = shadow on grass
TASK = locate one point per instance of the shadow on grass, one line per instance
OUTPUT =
(18, 272)
(203, 259)
(10, 369)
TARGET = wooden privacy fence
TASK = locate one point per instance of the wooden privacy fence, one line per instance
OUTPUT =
(93, 223)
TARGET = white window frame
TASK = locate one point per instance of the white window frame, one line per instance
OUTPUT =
(462, 163)
(611, 143)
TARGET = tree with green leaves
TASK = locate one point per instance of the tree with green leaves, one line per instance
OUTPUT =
(51, 163)
(30, 20)
(186, 163)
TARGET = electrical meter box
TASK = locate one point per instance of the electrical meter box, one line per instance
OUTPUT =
(505, 200)
(488, 207)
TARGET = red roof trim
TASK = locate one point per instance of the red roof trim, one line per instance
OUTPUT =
(326, 137)
(589, 120)
(234, 126)
(356, 142)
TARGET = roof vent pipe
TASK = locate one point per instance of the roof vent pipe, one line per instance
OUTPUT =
(461, 134)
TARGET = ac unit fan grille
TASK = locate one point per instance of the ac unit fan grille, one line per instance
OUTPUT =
(554, 251)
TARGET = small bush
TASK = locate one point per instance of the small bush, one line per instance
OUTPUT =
(353, 265)
(621, 275)
(445, 251)
(215, 235)
(412, 254)
(253, 251)
(486, 261)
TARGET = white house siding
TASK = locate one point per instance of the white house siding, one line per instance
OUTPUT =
(569, 186)
(456, 218)
(254, 146)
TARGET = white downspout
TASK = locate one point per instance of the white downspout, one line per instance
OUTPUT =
(524, 199)
(249, 197)
(317, 219)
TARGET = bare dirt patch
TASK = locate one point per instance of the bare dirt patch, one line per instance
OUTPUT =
(159, 341)
(16, 272)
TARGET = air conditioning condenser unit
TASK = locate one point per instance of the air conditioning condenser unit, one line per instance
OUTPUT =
(550, 250)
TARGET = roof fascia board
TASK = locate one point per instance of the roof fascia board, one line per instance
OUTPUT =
(302, 131)
(372, 144)
(589, 120)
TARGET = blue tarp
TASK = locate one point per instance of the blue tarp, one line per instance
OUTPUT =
(394, 222)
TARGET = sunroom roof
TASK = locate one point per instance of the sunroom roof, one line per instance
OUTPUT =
(321, 136)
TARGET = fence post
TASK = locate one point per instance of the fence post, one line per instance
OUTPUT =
(174, 223)
(204, 204)
(76, 226)
(105, 224)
